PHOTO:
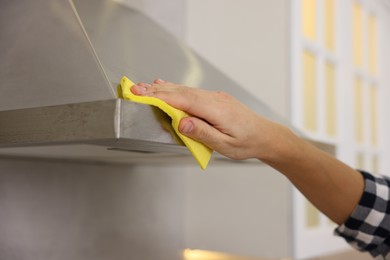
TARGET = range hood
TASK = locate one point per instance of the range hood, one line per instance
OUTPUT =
(60, 64)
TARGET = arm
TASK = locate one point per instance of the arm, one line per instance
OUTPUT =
(232, 129)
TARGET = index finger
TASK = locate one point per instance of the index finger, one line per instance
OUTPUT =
(204, 104)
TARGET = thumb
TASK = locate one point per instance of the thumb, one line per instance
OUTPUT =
(201, 131)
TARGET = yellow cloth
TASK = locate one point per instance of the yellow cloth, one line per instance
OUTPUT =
(201, 152)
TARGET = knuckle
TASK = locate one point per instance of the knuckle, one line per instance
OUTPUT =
(223, 95)
(204, 133)
(184, 96)
(237, 149)
(186, 91)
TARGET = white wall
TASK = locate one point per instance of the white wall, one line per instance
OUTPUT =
(384, 66)
(239, 209)
(249, 41)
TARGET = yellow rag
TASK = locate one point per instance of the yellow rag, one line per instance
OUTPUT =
(201, 152)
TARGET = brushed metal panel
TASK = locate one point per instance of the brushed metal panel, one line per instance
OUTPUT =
(63, 211)
(116, 122)
(107, 131)
(45, 57)
(81, 122)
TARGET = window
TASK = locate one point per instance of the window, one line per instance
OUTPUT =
(315, 48)
(335, 89)
(366, 87)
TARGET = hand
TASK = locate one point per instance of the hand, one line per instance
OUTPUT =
(227, 126)
(218, 120)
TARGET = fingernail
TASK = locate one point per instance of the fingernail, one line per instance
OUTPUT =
(187, 127)
(141, 84)
(160, 81)
(139, 89)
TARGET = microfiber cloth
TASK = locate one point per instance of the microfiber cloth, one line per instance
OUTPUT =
(201, 152)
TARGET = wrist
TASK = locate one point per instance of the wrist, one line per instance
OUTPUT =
(283, 146)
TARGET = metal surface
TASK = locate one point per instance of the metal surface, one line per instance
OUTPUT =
(63, 211)
(45, 58)
(106, 131)
(61, 62)
(58, 124)
(91, 122)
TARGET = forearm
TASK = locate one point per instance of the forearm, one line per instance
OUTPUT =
(332, 186)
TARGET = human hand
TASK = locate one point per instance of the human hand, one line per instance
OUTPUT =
(218, 120)
(224, 124)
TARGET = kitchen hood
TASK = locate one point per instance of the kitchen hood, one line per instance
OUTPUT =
(60, 64)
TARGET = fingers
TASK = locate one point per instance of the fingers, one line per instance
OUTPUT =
(202, 103)
(183, 98)
(201, 131)
(160, 81)
(218, 120)
(140, 88)
(227, 145)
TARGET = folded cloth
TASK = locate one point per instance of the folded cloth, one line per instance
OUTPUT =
(201, 152)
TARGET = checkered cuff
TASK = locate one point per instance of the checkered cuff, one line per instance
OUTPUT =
(368, 228)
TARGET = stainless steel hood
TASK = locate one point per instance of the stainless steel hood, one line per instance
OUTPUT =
(60, 64)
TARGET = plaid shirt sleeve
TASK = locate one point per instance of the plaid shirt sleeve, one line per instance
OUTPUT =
(368, 228)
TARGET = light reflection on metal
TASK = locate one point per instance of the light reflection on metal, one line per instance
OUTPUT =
(190, 254)
(194, 74)
(195, 254)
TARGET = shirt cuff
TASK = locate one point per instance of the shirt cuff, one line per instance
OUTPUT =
(368, 227)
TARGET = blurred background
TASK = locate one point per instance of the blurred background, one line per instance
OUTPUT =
(320, 64)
